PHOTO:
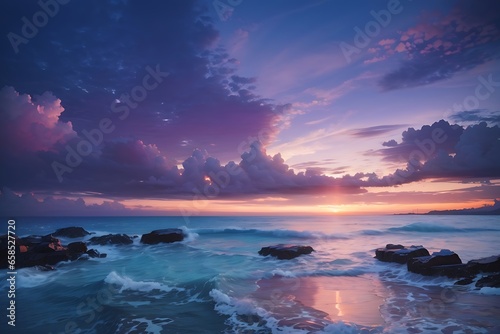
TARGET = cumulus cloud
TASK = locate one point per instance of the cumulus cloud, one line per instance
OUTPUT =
(429, 139)
(390, 143)
(31, 124)
(473, 152)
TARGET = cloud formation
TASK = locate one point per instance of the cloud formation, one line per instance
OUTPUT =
(28, 205)
(93, 54)
(475, 116)
(446, 151)
(441, 45)
(374, 131)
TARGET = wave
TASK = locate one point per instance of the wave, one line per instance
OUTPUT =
(278, 233)
(126, 283)
(245, 314)
(435, 228)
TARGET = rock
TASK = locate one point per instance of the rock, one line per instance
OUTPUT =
(111, 239)
(488, 264)
(492, 281)
(47, 247)
(392, 246)
(31, 259)
(96, 253)
(166, 235)
(71, 232)
(465, 281)
(285, 252)
(31, 240)
(78, 247)
(399, 253)
(451, 270)
(423, 264)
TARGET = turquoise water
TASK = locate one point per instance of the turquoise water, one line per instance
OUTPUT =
(212, 281)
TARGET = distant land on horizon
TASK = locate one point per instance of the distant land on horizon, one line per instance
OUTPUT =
(485, 210)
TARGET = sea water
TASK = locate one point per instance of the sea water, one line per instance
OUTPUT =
(215, 282)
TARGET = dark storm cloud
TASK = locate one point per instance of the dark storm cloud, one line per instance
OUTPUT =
(441, 45)
(448, 152)
(429, 139)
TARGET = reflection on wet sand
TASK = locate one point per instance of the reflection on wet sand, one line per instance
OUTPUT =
(312, 302)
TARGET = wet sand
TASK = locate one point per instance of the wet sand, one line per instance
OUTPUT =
(306, 300)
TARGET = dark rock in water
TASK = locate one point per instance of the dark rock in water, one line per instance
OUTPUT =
(77, 247)
(423, 264)
(47, 247)
(286, 252)
(42, 252)
(451, 270)
(399, 253)
(96, 253)
(71, 232)
(492, 281)
(111, 239)
(488, 264)
(392, 246)
(465, 281)
(31, 258)
(166, 235)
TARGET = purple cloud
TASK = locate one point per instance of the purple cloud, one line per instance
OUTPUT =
(441, 45)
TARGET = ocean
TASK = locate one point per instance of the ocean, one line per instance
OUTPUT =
(215, 282)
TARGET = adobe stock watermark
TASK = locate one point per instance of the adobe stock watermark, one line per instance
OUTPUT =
(30, 28)
(121, 107)
(482, 92)
(225, 8)
(363, 37)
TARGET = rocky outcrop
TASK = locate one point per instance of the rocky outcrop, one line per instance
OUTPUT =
(491, 281)
(285, 252)
(424, 264)
(168, 235)
(43, 251)
(77, 247)
(71, 232)
(111, 239)
(95, 253)
(399, 253)
(487, 265)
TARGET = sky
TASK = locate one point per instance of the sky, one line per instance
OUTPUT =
(196, 107)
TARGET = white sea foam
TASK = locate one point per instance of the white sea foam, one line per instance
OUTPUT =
(32, 277)
(235, 308)
(152, 327)
(282, 273)
(189, 234)
(126, 283)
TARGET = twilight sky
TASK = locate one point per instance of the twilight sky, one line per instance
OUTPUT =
(187, 107)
